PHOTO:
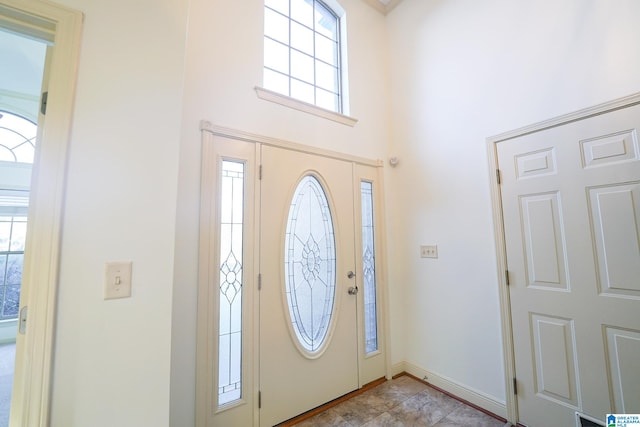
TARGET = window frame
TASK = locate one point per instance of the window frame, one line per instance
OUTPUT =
(341, 116)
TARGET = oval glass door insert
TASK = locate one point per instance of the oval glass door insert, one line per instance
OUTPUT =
(310, 264)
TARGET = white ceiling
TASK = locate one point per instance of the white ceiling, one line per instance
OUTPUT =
(384, 6)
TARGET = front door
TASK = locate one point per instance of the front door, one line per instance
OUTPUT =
(308, 335)
(571, 201)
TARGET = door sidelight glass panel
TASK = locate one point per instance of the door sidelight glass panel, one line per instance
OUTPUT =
(369, 268)
(231, 281)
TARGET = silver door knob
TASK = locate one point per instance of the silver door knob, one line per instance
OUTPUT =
(351, 275)
(353, 290)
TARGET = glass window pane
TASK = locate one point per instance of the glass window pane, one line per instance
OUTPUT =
(3, 268)
(231, 282)
(276, 82)
(369, 268)
(297, 34)
(276, 56)
(5, 234)
(18, 234)
(327, 100)
(11, 302)
(14, 269)
(276, 26)
(281, 6)
(302, 38)
(326, 22)
(302, 66)
(17, 138)
(24, 153)
(326, 76)
(302, 91)
(302, 11)
(326, 50)
(310, 264)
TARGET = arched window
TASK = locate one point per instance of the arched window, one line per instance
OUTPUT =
(303, 52)
(17, 138)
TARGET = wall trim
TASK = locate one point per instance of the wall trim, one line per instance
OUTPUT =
(498, 227)
(585, 113)
(305, 107)
(275, 142)
(478, 398)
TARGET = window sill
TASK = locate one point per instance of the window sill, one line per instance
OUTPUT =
(287, 101)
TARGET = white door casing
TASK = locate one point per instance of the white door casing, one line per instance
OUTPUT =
(61, 27)
(261, 381)
(571, 201)
(209, 412)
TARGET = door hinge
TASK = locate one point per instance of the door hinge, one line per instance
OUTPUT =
(259, 399)
(515, 386)
(506, 277)
(260, 173)
(259, 281)
(43, 102)
(22, 324)
(498, 176)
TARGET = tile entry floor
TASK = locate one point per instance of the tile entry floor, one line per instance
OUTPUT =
(402, 402)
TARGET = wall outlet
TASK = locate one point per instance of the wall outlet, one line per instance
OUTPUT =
(429, 251)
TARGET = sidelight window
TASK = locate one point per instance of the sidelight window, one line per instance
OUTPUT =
(231, 282)
(369, 267)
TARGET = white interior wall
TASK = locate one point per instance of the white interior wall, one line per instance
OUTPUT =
(112, 358)
(463, 71)
(460, 72)
(224, 64)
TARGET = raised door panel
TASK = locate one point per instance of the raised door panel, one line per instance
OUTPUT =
(571, 208)
(623, 348)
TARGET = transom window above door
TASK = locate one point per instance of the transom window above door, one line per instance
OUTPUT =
(302, 52)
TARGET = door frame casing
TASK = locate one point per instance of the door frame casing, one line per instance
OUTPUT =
(31, 397)
(499, 233)
(203, 351)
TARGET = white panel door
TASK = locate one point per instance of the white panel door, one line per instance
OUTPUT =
(308, 356)
(571, 204)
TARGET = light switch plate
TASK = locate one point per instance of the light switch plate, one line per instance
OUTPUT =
(429, 251)
(117, 281)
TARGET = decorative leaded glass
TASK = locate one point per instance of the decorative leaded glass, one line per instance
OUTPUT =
(310, 264)
(230, 297)
(369, 267)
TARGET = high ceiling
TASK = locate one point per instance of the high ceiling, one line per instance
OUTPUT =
(384, 6)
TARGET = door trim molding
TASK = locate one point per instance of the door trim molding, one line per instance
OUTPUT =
(31, 397)
(498, 227)
(208, 131)
(275, 142)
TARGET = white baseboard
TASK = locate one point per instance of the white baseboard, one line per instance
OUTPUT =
(461, 391)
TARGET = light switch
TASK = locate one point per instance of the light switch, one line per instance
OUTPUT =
(117, 282)
(429, 251)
